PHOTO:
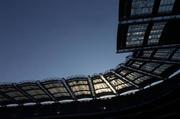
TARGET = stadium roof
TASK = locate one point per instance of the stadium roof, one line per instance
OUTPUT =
(152, 61)
(142, 68)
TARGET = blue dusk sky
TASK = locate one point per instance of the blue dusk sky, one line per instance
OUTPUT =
(57, 38)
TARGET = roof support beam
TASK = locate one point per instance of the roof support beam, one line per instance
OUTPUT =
(150, 19)
(154, 60)
(68, 89)
(110, 86)
(125, 79)
(147, 47)
(147, 33)
(142, 72)
(46, 91)
(91, 87)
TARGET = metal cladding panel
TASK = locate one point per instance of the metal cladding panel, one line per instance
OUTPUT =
(80, 87)
(116, 81)
(160, 54)
(100, 87)
(135, 35)
(10, 93)
(133, 76)
(130, 9)
(176, 55)
(152, 66)
(147, 23)
(141, 7)
(34, 90)
(155, 33)
(166, 6)
(57, 89)
(144, 35)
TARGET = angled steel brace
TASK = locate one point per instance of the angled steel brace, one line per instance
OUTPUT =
(46, 91)
(110, 86)
(68, 89)
(142, 72)
(125, 79)
(91, 87)
(24, 93)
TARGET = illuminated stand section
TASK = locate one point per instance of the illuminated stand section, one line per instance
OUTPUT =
(149, 29)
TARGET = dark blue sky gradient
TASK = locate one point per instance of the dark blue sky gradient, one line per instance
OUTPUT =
(57, 38)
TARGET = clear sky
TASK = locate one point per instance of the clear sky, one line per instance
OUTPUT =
(57, 38)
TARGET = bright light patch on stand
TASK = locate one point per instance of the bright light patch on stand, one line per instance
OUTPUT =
(66, 101)
(153, 84)
(56, 88)
(115, 81)
(106, 97)
(100, 86)
(29, 104)
(174, 74)
(12, 105)
(85, 99)
(79, 87)
(47, 102)
(130, 92)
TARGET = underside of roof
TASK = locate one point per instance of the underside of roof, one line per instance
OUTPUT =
(148, 28)
(141, 69)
